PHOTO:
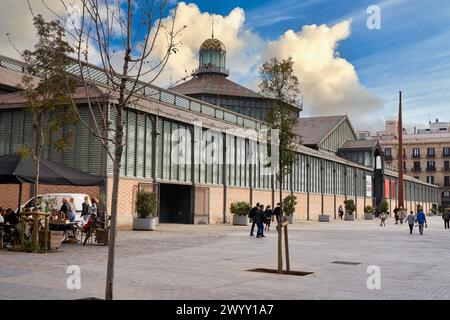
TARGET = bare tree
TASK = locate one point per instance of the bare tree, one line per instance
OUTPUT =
(126, 35)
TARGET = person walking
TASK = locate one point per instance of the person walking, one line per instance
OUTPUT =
(421, 220)
(402, 214)
(341, 212)
(383, 219)
(446, 218)
(260, 217)
(396, 215)
(268, 215)
(252, 216)
(411, 219)
(278, 214)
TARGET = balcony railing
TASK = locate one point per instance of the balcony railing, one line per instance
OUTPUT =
(431, 155)
(386, 157)
(445, 155)
(415, 155)
(445, 169)
(431, 168)
(416, 169)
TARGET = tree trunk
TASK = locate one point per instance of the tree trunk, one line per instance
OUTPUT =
(114, 202)
(38, 131)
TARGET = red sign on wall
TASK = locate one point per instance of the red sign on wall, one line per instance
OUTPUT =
(386, 189)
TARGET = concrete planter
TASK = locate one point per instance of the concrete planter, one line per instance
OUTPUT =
(324, 218)
(147, 224)
(240, 220)
(368, 216)
(349, 217)
(290, 219)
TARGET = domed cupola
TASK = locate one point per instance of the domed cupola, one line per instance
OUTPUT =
(212, 57)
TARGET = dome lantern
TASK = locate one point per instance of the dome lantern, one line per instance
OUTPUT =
(212, 57)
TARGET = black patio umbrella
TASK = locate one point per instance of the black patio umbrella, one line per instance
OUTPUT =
(16, 170)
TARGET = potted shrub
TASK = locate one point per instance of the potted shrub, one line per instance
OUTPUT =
(368, 212)
(289, 204)
(383, 207)
(349, 209)
(240, 212)
(146, 207)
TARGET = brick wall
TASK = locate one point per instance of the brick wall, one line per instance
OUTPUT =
(263, 197)
(300, 208)
(216, 205)
(315, 206)
(328, 205)
(126, 202)
(9, 194)
(234, 195)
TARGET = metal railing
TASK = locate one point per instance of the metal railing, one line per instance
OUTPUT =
(98, 76)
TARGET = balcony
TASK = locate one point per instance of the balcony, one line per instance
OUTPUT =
(416, 169)
(415, 155)
(431, 155)
(445, 155)
(445, 169)
(388, 158)
(431, 169)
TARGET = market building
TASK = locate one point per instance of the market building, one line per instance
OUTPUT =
(186, 148)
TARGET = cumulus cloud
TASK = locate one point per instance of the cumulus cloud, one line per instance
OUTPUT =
(329, 83)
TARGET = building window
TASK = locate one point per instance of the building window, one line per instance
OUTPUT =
(446, 152)
(447, 181)
(430, 179)
(430, 152)
(447, 165)
(404, 165)
(388, 153)
(431, 165)
(416, 152)
(417, 165)
(416, 177)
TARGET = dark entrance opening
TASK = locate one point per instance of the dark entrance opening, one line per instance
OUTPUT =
(175, 204)
(378, 178)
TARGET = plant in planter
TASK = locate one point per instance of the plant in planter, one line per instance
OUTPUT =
(368, 212)
(349, 209)
(240, 212)
(289, 204)
(146, 207)
(383, 207)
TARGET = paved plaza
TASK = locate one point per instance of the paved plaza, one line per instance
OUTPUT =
(210, 262)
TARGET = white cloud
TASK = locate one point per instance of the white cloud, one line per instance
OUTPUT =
(329, 83)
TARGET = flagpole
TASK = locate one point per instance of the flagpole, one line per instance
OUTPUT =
(400, 154)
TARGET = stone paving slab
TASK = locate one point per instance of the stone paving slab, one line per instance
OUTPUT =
(210, 262)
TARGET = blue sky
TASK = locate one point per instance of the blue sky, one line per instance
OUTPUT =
(411, 51)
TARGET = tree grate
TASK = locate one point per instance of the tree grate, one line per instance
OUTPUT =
(347, 262)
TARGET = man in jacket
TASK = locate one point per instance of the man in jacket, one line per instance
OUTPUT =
(421, 220)
(411, 219)
(252, 216)
(260, 217)
(446, 218)
(278, 214)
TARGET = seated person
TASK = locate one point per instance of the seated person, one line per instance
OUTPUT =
(85, 226)
(2, 213)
